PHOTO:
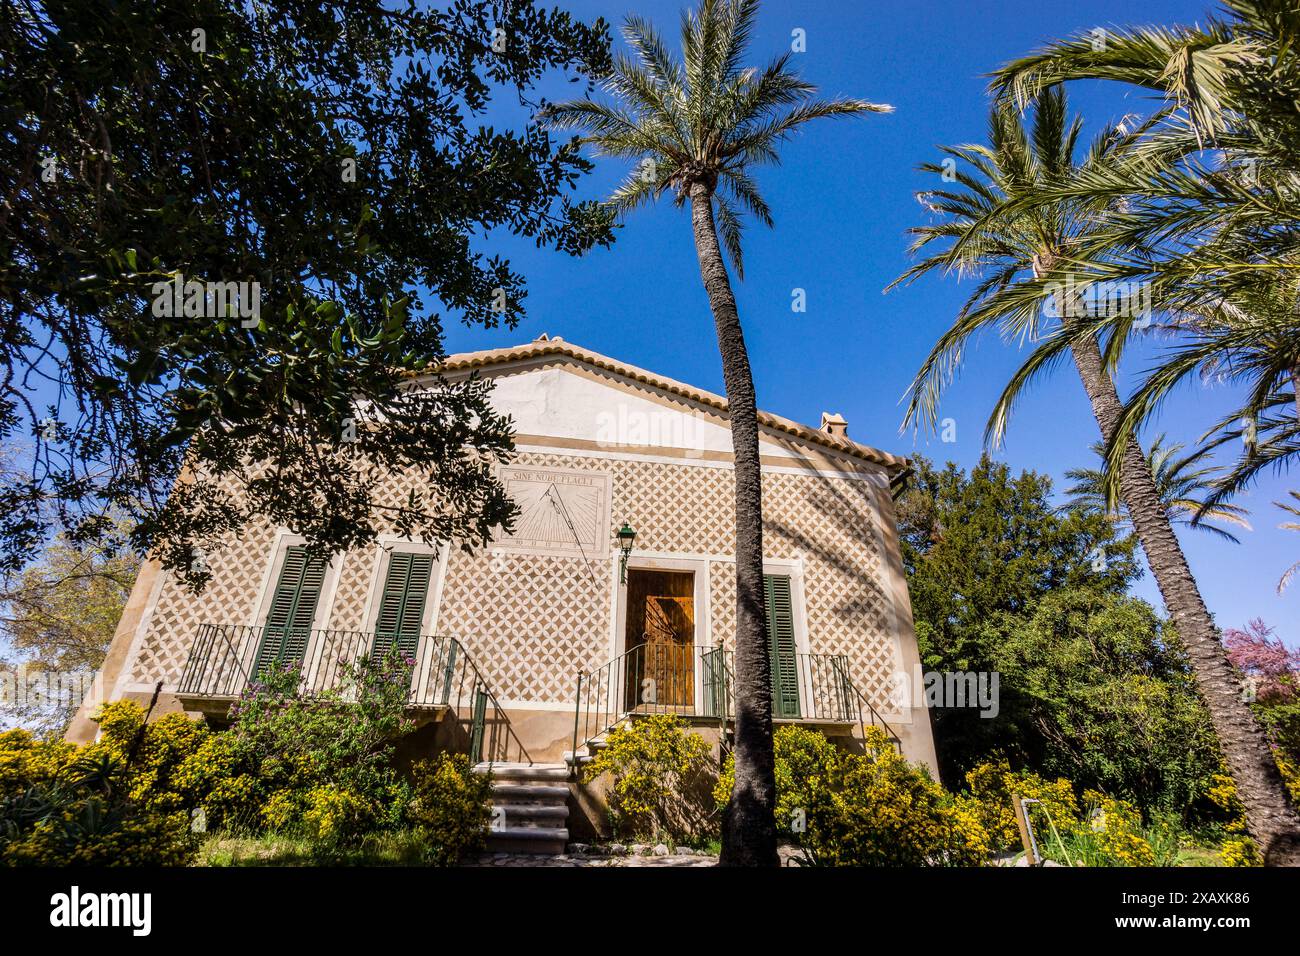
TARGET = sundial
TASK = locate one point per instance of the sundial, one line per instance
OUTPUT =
(561, 511)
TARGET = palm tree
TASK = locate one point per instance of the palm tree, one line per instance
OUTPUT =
(995, 225)
(1231, 84)
(1182, 487)
(1294, 509)
(1252, 340)
(696, 129)
(1220, 229)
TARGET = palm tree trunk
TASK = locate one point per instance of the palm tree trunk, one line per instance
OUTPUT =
(1295, 384)
(749, 823)
(1273, 822)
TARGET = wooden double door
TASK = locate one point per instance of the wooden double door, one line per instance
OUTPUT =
(660, 639)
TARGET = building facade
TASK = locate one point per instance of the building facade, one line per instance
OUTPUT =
(554, 631)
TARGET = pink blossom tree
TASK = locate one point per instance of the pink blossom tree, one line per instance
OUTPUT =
(1272, 668)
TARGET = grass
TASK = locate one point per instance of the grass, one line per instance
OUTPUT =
(712, 846)
(377, 849)
(1171, 845)
(1198, 855)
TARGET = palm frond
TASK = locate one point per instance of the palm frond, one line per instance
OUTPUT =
(701, 117)
(1183, 483)
(729, 230)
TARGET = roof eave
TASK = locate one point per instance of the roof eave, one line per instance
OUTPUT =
(469, 361)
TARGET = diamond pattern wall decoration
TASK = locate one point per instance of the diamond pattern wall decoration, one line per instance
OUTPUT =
(532, 621)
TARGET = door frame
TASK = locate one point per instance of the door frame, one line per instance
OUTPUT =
(382, 552)
(793, 569)
(284, 540)
(699, 568)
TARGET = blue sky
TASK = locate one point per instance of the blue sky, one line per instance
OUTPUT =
(843, 201)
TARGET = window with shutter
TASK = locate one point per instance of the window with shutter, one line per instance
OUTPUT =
(781, 646)
(293, 610)
(401, 607)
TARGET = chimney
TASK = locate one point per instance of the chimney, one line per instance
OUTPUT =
(833, 424)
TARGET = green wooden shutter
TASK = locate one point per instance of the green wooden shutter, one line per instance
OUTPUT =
(293, 610)
(780, 643)
(401, 608)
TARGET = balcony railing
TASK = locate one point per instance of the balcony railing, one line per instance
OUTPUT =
(226, 658)
(699, 681)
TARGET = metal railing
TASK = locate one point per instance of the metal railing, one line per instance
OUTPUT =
(823, 692)
(698, 681)
(647, 679)
(225, 659)
(870, 713)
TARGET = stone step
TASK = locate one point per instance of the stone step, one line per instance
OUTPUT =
(520, 772)
(531, 800)
(529, 792)
(550, 841)
(530, 814)
(587, 752)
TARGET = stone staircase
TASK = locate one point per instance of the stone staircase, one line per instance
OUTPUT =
(586, 753)
(529, 807)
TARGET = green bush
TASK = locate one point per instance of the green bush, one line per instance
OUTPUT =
(317, 770)
(1105, 695)
(62, 805)
(449, 808)
(320, 767)
(660, 789)
(870, 809)
(993, 785)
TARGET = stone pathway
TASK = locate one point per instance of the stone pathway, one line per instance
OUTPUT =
(614, 855)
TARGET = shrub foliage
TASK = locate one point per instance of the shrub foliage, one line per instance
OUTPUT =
(318, 769)
(449, 808)
(657, 767)
(869, 809)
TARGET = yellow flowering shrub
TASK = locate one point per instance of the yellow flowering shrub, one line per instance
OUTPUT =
(281, 811)
(1240, 852)
(449, 808)
(26, 761)
(1290, 771)
(118, 723)
(164, 748)
(806, 765)
(63, 805)
(320, 769)
(806, 761)
(870, 809)
(726, 783)
(655, 764)
(210, 777)
(884, 811)
(1239, 849)
(333, 814)
(993, 785)
(1108, 833)
(1112, 834)
(1223, 794)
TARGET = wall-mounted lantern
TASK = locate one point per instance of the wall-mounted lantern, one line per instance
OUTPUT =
(626, 536)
